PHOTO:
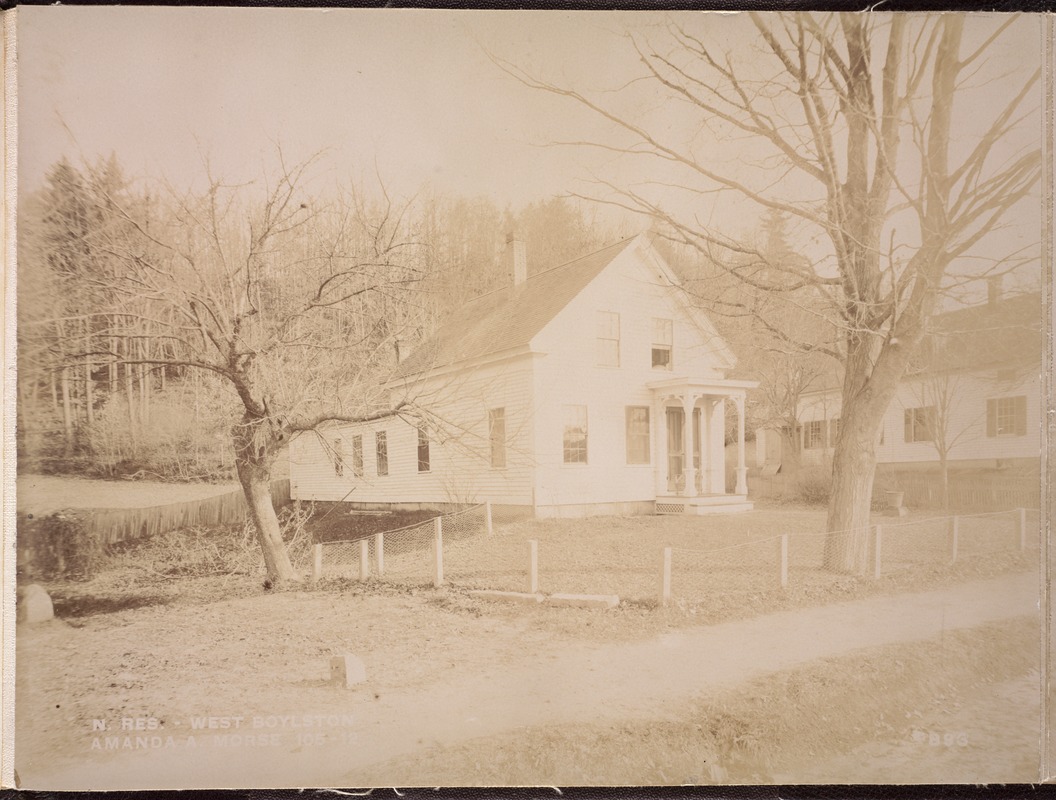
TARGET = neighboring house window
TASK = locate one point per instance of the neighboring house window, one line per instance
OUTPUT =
(834, 431)
(637, 434)
(357, 456)
(339, 457)
(381, 449)
(1006, 416)
(608, 341)
(662, 343)
(575, 436)
(423, 449)
(920, 424)
(814, 435)
(497, 436)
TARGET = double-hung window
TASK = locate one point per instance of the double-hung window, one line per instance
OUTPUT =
(663, 342)
(574, 443)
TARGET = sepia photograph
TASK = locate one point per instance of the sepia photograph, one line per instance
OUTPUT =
(422, 398)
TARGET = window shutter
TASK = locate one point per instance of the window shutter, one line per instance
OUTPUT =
(991, 418)
(908, 433)
(1021, 415)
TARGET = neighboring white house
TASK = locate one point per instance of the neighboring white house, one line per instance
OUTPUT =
(589, 388)
(975, 392)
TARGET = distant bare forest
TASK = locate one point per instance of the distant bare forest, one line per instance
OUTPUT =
(91, 402)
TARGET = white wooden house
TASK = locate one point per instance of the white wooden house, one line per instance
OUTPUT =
(589, 388)
(975, 392)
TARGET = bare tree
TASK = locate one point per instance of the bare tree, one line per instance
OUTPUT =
(845, 123)
(294, 304)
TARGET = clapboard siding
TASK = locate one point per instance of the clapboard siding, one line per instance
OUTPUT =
(460, 470)
(967, 419)
(569, 375)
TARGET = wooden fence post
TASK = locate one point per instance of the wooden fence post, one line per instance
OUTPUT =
(438, 552)
(317, 562)
(877, 547)
(364, 559)
(954, 536)
(379, 552)
(665, 578)
(1022, 529)
(784, 560)
(533, 566)
(487, 517)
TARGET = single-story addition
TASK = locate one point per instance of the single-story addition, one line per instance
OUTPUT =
(591, 388)
(973, 393)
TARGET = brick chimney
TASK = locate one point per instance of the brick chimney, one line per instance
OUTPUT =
(993, 289)
(516, 261)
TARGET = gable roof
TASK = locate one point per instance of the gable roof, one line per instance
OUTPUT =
(1006, 333)
(509, 317)
(1003, 333)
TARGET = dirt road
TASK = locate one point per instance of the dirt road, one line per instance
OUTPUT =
(581, 683)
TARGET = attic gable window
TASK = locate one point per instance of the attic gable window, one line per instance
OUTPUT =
(574, 442)
(381, 451)
(608, 339)
(1006, 416)
(663, 340)
(920, 424)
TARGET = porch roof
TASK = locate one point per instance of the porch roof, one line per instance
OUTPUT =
(715, 386)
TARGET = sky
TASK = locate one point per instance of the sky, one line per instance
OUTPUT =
(412, 91)
(408, 95)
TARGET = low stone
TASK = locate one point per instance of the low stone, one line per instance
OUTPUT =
(35, 605)
(584, 600)
(347, 670)
(510, 597)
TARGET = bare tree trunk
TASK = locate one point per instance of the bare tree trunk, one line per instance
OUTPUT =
(253, 462)
(130, 399)
(89, 414)
(67, 413)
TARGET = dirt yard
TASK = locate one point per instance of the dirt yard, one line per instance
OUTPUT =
(442, 669)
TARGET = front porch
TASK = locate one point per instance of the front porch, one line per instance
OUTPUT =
(690, 462)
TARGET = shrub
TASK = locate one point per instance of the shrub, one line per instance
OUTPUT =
(814, 485)
(58, 545)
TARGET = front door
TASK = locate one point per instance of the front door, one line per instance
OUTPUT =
(675, 449)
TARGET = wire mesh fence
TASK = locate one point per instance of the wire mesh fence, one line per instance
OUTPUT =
(403, 555)
(720, 566)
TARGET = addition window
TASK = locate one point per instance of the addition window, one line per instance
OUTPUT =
(637, 434)
(338, 448)
(920, 424)
(381, 450)
(357, 456)
(575, 435)
(1006, 416)
(814, 434)
(423, 449)
(497, 436)
(663, 339)
(608, 340)
(834, 430)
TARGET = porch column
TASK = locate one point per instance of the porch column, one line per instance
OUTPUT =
(706, 456)
(688, 472)
(660, 447)
(742, 470)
